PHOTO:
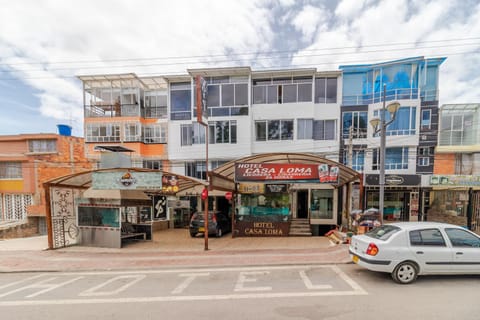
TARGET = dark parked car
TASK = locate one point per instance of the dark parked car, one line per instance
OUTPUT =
(218, 223)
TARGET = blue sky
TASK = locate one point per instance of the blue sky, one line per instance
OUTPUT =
(45, 44)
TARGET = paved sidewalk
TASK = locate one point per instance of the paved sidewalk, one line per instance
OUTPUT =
(170, 248)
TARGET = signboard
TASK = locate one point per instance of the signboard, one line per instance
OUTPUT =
(251, 188)
(202, 92)
(127, 180)
(455, 180)
(170, 184)
(261, 229)
(275, 188)
(394, 179)
(286, 172)
(159, 207)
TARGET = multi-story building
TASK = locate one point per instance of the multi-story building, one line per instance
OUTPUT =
(410, 138)
(124, 110)
(293, 110)
(252, 112)
(456, 179)
(26, 162)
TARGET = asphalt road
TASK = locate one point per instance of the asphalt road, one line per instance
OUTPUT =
(266, 292)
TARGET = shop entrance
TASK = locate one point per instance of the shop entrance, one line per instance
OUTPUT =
(302, 204)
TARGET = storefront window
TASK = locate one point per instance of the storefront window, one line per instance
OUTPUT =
(321, 204)
(393, 205)
(264, 207)
(98, 217)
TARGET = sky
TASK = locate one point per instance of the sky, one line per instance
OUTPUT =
(46, 44)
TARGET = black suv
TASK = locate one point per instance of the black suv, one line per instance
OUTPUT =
(218, 223)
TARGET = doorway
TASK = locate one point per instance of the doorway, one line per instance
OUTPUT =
(302, 204)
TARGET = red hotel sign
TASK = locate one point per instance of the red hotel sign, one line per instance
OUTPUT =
(285, 172)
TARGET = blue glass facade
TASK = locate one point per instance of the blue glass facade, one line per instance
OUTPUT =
(404, 79)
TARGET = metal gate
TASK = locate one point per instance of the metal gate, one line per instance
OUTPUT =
(476, 212)
(64, 221)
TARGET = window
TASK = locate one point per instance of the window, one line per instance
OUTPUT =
(324, 129)
(425, 151)
(49, 145)
(227, 96)
(325, 90)
(282, 90)
(180, 101)
(423, 161)
(462, 238)
(193, 133)
(304, 129)
(196, 169)
(11, 170)
(427, 237)
(358, 121)
(156, 104)
(103, 132)
(155, 133)
(222, 132)
(426, 119)
(404, 123)
(396, 158)
(457, 129)
(358, 159)
(133, 132)
(152, 164)
(274, 130)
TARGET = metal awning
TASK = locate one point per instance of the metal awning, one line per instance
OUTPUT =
(222, 178)
(83, 180)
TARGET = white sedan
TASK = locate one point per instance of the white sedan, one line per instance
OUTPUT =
(409, 249)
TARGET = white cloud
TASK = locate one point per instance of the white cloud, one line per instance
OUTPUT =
(309, 20)
(49, 32)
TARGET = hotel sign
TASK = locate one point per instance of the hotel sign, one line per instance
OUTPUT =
(261, 229)
(286, 172)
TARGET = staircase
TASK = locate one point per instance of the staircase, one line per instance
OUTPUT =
(300, 228)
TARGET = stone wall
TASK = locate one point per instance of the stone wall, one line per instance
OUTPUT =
(20, 230)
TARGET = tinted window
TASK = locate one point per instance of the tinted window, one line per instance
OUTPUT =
(383, 232)
(462, 238)
(426, 237)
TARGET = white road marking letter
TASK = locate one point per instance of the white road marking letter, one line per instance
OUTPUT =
(41, 285)
(93, 291)
(243, 277)
(310, 285)
(189, 279)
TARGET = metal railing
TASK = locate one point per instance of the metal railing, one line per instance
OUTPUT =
(394, 94)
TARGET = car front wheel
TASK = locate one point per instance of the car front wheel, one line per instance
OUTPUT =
(193, 234)
(405, 273)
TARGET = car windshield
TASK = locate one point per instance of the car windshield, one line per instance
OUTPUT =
(383, 232)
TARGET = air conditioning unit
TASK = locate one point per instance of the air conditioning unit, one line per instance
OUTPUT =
(424, 137)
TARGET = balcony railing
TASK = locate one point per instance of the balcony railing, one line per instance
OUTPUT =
(110, 111)
(395, 94)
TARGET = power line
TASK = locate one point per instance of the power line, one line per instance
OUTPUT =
(241, 53)
(233, 60)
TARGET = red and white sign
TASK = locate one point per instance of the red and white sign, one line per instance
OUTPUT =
(297, 172)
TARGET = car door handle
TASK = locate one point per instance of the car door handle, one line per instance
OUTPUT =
(459, 253)
(419, 252)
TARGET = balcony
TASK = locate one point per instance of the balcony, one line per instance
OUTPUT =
(112, 111)
(395, 94)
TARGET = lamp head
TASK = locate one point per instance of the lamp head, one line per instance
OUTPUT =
(393, 108)
(375, 122)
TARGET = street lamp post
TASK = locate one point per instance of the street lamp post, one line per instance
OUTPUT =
(380, 126)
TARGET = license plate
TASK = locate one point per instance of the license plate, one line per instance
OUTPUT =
(355, 259)
(201, 229)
